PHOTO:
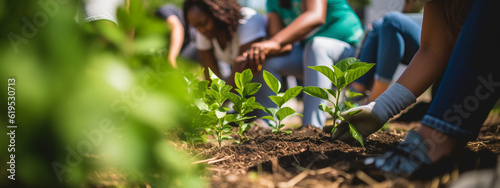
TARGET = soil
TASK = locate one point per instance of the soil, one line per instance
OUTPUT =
(309, 158)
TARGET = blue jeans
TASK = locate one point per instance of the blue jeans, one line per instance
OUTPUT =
(471, 84)
(394, 39)
(317, 51)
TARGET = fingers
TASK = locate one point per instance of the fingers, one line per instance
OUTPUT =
(341, 132)
(257, 57)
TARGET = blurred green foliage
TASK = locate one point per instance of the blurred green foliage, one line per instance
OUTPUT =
(91, 103)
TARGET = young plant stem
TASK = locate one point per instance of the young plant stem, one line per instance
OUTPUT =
(337, 108)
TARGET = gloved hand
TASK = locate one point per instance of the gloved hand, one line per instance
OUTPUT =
(361, 118)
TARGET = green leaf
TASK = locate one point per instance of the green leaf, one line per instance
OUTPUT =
(353, 112)
(284, 113)
(212, 74)
(227, 128)
(245, 118)
(324, 108)
(333, 129)
(281, 126)
(327, 71)
(277, 100)
(355, 134)
(203, 85)
(356, 65)
(268, 118)
(220, 112)
(239, 91)
(199, 73)
(344, 64)
(349, 105)
(316, 92)
(332, 92)
(214, 95)
(229, 118)
(270, 111)
(339, 75)
(354, 74)
(251, 89)
(246, 77)
(272, 82)
(226, 88)
(238, 81)
(354, 94)
(245, 127)
(291, 93)
(226, 137)
(255, 105)
(288, 131)
(233, 97)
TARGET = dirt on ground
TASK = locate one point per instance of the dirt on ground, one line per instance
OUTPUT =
(309, 158)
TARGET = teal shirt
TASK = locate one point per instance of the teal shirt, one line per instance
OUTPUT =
(341, 21)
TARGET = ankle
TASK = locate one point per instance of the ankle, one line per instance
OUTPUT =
(439, 145)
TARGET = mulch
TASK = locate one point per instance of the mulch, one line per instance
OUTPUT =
(309, 158)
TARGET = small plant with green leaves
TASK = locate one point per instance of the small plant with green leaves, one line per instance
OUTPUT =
(193, 130)
(342, 74)
(277, 115)
(244, 104)
(211, 110)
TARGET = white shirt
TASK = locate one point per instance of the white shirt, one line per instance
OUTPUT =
(101, 10)
(252, 26)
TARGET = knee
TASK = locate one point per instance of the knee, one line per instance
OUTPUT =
(392, 18)
(317, 44)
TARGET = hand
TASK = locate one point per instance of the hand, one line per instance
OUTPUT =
(362, 119)
(173, 62)
(256, 55)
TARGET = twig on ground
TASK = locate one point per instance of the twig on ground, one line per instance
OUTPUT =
(292, 182)
(366, 178)
(212, 160)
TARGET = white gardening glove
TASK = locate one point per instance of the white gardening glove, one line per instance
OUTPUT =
(369, 118)
(361, 118)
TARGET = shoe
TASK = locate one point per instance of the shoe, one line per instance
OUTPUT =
(408, 157)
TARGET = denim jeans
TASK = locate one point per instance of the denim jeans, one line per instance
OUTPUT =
(394, 39)
(317, 51)
(471, 84)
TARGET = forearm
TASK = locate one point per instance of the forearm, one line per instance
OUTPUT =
(424, 69)
(176, 40)
(298, 29)
(209, 62)
(313, 16)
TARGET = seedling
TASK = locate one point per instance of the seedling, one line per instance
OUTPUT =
(345, 72)
(212, 112)
(277, 115)
(243, 104)
(193, 131)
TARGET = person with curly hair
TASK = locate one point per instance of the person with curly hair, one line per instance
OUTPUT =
(224, 31)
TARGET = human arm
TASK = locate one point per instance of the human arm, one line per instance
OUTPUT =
(253, 54)
(313, 16)
(208, 60)
(241, 62)
(426, 66)
(176, 38)
(436, 46)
